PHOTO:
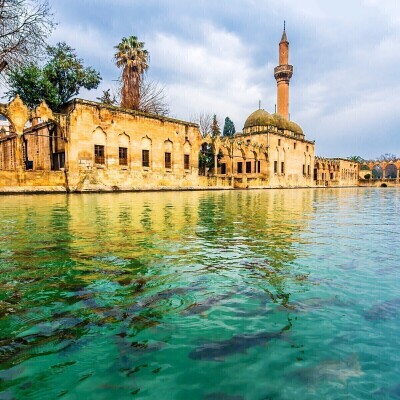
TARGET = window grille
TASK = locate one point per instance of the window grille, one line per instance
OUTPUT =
(186, 161)
(167, 160)
(99, 154)
(146, 158)
(123, 156)
(248, 167)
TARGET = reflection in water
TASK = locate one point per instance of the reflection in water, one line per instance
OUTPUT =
(130, 294)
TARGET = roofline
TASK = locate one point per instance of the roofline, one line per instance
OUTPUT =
(336, 159)
(239, 134)
(129, 112)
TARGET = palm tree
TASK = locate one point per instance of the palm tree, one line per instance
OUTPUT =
(133, 58)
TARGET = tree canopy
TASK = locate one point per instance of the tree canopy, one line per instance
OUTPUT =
(60, 79)
(215, 129)
(24, 26)
(229, 128)
(358, 159)
(107, 98)
(133, 58)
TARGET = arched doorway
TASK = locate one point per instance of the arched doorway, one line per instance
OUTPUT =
(377, 172)
(8, 142)
(43, 145)
(391, 172)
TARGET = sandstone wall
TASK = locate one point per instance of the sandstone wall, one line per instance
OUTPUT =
(32, 181)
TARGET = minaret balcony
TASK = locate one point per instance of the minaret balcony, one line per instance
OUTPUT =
(283, 72)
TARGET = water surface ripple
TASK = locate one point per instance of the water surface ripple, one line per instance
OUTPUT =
(271, 294)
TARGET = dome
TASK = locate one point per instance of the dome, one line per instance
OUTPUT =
(295, 128)
(283, 123)
(259, 118)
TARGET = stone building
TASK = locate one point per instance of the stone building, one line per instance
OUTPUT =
(95, 147)
(336, 172)
(272, 151)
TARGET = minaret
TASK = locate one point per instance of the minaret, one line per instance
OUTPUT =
(283, 73)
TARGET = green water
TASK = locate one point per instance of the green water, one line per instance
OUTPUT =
(285, 294)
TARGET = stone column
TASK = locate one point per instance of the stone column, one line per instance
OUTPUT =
(19, 156)
(215, 164)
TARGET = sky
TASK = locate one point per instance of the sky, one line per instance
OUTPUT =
(218, 57)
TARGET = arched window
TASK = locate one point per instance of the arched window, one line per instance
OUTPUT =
(187, 150)
(99, 139)
(146, 152)
(168, 147)
(123, 149)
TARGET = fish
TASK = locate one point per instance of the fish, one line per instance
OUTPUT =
(392, 392)
(218, 350)
(313, 303)
(333, 371)
(384, 310)
(203, 306)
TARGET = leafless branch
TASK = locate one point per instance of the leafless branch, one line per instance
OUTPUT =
(204, 120)
(153, 98)
(24, 26)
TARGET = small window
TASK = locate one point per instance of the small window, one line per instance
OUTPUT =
(331, 176)
(282, 167)
(240, 167)
(146, 158)
(98, 154)
(307, 149)
(308, 170)
(167, 160)
(258, 166)
(304, 169)
(186, 161)
(275, 167)
(294, 145)
(279, 142)
(123, 156)
(248, 167)
(223, 168)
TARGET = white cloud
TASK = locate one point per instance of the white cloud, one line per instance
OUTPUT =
(215, 75)
(220, 58)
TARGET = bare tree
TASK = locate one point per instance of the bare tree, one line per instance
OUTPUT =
(205, 120)
(387, 157)
(24, 26)
(153, 98)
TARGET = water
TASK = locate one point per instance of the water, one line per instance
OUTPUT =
(285, 294)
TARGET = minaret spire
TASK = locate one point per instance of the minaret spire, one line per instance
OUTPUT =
(284, 37)
(283, 73)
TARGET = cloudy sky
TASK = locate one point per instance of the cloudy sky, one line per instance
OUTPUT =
(218, 57)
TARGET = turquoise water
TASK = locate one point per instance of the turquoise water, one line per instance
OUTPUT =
(274, 294)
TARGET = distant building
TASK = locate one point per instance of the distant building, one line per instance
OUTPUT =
(336, 172)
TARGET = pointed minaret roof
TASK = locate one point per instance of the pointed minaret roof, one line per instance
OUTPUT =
(284, 37)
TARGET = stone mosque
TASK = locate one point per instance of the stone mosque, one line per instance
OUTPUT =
(89, 146)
